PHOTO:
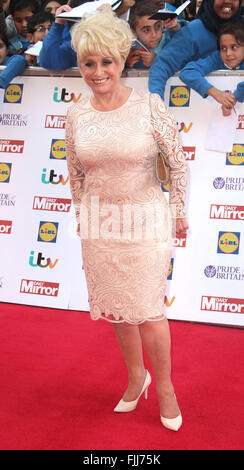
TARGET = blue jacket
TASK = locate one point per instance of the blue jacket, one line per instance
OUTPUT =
(15, 65)
(191, 42)
(193, 74)
(56, 52)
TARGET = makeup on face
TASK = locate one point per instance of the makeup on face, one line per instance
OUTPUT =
(102, 74)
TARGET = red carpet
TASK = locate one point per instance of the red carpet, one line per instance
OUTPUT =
(62, 374)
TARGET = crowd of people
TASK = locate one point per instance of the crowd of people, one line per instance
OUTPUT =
(190, 42)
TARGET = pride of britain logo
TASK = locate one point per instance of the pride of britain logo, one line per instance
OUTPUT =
(229, 183)
(210, 271)
(228, 273)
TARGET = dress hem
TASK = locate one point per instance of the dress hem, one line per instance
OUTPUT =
(151, 319)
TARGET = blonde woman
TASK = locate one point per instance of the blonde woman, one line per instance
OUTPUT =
(112, 139)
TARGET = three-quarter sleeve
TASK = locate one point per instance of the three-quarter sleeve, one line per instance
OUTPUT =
(168, 139)
(75, 169)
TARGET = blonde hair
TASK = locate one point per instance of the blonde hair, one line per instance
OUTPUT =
(102, 34)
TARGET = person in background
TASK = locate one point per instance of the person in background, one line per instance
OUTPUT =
(16, 24)
(190, 11)
(38, 27)
(4, 7)
(198, 4)
(14, 65)
(112, 139)
(230, 56)
(154, 34)
(124, 6)
(51, 6)
(57, 53)
(194, 41)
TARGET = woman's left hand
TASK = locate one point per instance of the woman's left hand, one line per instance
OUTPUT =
(181, 226)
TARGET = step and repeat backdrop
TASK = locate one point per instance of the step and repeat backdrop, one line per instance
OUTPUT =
(41, 259)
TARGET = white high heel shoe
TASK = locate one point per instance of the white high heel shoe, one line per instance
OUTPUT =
(125, 406)
(173, 424)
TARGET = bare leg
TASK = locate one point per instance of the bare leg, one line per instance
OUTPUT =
(129, 340)
(157, 343)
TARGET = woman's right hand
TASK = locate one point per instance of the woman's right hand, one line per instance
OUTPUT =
(61, 10)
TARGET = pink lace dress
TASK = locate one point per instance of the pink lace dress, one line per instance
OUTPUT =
(124, 217)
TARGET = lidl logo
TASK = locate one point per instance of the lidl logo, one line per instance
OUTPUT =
(58, 149)
(179, 96)
(228, 243)
(170, 271)
(13, 93)
(5, 172)
(236, 157)
(48, 232)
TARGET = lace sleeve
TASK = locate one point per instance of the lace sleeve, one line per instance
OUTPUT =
(168, 139)
(75, 169)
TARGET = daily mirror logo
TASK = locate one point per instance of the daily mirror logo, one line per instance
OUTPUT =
(29, 286)
(222, 304)
(179, 241)
(220, 211)
(189, 153)
(5, 227)
(53, 121)
(51, 204)
(11, 146)
(240, 125)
